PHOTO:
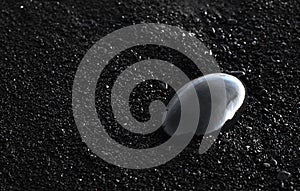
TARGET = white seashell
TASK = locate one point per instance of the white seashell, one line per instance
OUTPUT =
(212, 115)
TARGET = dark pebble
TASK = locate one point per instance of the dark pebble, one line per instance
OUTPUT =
(283, 175)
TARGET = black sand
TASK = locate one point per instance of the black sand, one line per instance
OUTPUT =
(42, 43)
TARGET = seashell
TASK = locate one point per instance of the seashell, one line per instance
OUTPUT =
(214, 91)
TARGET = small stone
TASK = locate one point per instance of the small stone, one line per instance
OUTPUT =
(274, 162)
(263, 92)
(283, 175)
(267, 165)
